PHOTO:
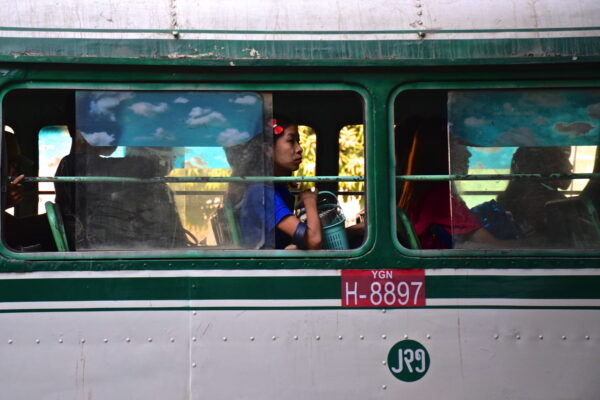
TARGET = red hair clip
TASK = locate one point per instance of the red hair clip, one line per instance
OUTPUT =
(276, 128)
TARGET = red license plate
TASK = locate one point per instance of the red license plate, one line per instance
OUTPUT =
(383, 288)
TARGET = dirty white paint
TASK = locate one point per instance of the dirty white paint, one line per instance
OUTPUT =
(269, 354)
(300, 20)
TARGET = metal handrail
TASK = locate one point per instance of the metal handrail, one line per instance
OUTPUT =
(191, 179)
(495, 177)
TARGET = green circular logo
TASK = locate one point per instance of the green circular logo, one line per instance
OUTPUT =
(408, 360)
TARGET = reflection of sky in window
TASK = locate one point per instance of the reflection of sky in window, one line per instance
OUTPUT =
(169, 119)
(202, 157)
(525, 117)
(491, 157)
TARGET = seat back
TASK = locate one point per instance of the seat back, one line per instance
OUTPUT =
(405, 230)
(225, 225)
(573, 223)
(57, 226)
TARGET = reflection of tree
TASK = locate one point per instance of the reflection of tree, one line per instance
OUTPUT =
(196, 208)
(351, 157)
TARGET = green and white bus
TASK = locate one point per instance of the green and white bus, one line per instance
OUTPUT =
(123, 270)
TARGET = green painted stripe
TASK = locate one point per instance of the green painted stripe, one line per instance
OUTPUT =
(299, 52)
(514, 287)
(297, 32)
(247, 288)
(287, 288)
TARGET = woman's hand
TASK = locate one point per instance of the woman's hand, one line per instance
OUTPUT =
(312, 237)
(15, 192)
(308, 198)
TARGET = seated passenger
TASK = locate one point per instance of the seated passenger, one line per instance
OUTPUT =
(439, 216)
(266, 211)
(114, 215)
(30, 233)
(525, 199)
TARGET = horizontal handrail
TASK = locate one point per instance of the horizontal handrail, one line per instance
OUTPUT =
(495, 177)
(191, 179)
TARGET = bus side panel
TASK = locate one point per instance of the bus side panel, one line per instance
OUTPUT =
(298, 354)
(95, 355)
(342, 354)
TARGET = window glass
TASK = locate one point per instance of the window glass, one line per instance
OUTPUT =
(54, 143)
(163, 135)
(184, 170)
(352, 163)
(517, 150)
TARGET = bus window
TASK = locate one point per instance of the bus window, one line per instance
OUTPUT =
(521, 166)
(160, 170)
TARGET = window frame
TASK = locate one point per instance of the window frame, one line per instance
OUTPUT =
(203, 253)
(473, 85)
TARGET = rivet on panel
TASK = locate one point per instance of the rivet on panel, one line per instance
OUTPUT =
(420, 22)
(82, 340)
(541, 337)
(518, 337)
(194, 339)
(172, 340)
(362, 337)
(587, 337)
(496, 336)
(273, 337)
(193, 365)
(149, 340)
(295, 337)
(405, 336)
(105, 340)
(194, 312)
(318, 337)
(10, 341)
(340, 337)
(224, 338)
(37, 341)
(252, 338)
(383, 387)
(60, 340)
(428, 336)
(127, 340)
(419, 13)
(563, 337)
(384, 337)
(383, 310)
(384, 362)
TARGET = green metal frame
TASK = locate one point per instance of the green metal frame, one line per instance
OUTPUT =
(196, 253)
(481, 85)
(378, 88)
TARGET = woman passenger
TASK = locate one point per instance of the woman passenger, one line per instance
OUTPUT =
(266, 214)
(438, 214)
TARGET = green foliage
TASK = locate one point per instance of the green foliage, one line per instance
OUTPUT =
(351, 157)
